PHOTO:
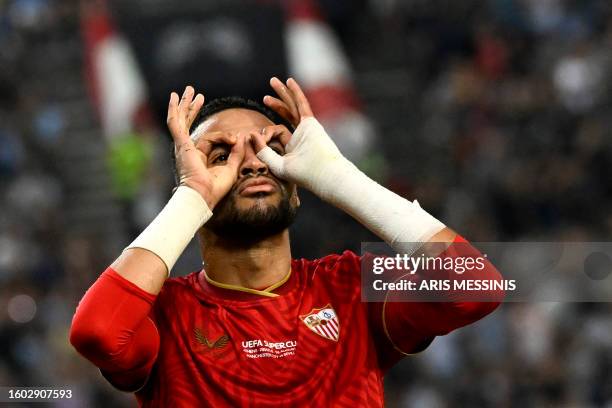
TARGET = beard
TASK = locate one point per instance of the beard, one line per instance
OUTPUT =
(260, 221)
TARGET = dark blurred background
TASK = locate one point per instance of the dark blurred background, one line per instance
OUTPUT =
(494, 114)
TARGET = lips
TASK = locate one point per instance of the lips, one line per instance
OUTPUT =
(257, 185)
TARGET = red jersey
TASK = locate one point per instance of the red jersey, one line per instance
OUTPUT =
(314, 344)
(307, 341)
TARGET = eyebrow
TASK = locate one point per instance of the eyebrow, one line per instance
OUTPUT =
(218, 144)
(212, 146)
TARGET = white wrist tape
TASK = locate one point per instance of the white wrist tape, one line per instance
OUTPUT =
(404, 225)
(171, 231)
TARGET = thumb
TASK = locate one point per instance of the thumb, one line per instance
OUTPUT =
(273, 160)
(258, 140)
(236, 154)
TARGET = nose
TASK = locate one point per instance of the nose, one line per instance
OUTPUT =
(252, 166)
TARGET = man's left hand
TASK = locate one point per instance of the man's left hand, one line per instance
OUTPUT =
(310, 154)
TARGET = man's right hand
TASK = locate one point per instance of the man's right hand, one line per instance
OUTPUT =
(214, 182)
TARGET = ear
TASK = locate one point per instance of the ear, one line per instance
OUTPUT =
(295, 199)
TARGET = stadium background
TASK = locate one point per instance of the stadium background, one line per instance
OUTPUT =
(495, 114)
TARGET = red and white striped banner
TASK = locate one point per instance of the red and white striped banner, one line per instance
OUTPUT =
(317, 61)
(116, 85)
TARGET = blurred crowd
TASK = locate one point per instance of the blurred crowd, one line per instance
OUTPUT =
(494, 114)
(509, 139)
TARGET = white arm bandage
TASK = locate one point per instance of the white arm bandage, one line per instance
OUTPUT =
(313, 161)
(171, 231)
(404, 225)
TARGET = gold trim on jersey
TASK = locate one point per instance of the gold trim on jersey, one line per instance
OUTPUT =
(384, 322)
(265, 292)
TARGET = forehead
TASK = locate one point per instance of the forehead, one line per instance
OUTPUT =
(232, 119)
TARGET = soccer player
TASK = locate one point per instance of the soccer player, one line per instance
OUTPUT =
(255, 327)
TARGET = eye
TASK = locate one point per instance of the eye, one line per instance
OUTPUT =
(277, 147)
(220, 158)
(219, 154)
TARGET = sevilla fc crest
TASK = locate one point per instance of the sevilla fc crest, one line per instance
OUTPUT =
(324, 322)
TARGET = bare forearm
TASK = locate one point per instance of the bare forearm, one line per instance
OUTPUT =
(143, 268)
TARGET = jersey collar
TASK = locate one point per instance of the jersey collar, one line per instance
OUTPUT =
(267, 292)
(223, 291)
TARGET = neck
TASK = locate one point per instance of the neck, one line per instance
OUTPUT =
(257, 265)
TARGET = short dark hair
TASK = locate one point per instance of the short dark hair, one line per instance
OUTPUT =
(230, 102)
(237, 102)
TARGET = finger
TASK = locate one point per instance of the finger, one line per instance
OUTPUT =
(285, 94)
(186, 100)
(300, 98)
(273, 160)
(281, 108)
(277, 131)
(284, 135)
(182, 147)
(188, 157)
(172, 118)
(194, 109)
(259, 140)
(208, 140)
(237, 153)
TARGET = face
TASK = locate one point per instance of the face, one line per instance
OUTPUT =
(259, 204)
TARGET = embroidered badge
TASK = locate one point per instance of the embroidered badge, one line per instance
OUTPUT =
(323, 321)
